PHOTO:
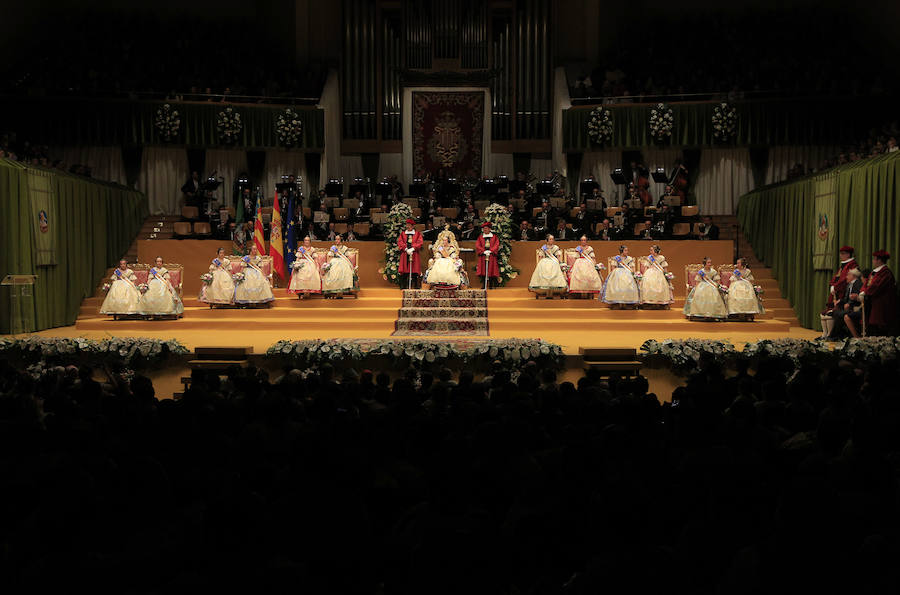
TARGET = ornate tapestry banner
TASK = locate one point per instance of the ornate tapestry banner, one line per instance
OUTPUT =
(823, 256)
(448, 129)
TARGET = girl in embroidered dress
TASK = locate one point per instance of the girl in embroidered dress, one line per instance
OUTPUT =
(548, 278)
(584, 277)
(161, 298)
(255, 288)
(221, 290)
(340, 276)
(123, 296)
(656, 289)
(705, 301)
(305, 277)
(743, 301)
(620, 288)
(444, 270)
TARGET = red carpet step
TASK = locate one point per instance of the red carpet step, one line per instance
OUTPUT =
(442, 312)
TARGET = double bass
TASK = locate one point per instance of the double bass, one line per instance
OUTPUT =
(679, 181)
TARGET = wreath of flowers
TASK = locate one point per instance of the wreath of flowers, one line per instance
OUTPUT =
(168, 123)
(600, 125)
(724, 122)
(289, 128)
(229, 125)
(396, 222)
(501, 224)
(661, 121)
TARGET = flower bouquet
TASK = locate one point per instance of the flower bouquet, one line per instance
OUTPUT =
(724, 122)
(238, 277)
(167, 123)
(143, 288)
(670, 276)
(600, 126)
(207, 278)
(722, 288)
(759, 290)
(327, 266)
(661, 120)
(638, 276)
(229, 125)
(298, 264)
(106, 286)
(288, 127)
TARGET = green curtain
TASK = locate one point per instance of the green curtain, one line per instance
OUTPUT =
(95, 223)
(760, 122)
(781, 224)
(110, 122)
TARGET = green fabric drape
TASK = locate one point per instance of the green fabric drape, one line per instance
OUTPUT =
(95, 223)
(781, 224)
(760, 122)
(107, 122)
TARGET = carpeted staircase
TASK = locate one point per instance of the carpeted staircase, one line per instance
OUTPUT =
(456, 312)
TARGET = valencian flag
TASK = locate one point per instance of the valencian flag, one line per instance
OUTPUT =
(258, 237)
(291, 237)
(276, 245)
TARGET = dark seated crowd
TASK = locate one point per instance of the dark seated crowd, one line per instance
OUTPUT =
(319, 482)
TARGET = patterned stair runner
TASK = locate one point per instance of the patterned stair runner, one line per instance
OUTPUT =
(460, 312)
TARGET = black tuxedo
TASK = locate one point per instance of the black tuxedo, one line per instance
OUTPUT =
(528, 235)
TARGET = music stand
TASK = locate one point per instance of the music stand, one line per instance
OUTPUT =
(545, 187)
(358, 185)
(334, 188)
(383, 189)
(503, 182)
(587, 187)
(21, 299)
(618, 178)
(659, 176)
(490, 187)
(418, 188)
(516, 185)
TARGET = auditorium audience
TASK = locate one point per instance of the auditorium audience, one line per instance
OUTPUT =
(324, 481)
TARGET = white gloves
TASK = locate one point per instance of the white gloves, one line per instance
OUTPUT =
(487, 252)
(831, 289)
(410, 251)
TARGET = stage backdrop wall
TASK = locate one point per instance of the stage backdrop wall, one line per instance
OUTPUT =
(196, 255)
(92, 225)
(782, 225)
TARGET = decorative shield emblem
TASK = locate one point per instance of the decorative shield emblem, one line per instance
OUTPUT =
(823, 227)
(43, 221)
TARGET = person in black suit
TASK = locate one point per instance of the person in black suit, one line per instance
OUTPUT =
(708, 229)
(191, 190)
(582, 222)
(525, 232)
(849, 303)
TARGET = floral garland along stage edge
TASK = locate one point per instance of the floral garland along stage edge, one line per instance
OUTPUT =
(289, 128)
(501, 224)
(168, 123)
(685, 355)
(396, 222)
(724, 122)
(229, 125)
(127, 350)
(600, 126)
(661, 121)
(508, 351)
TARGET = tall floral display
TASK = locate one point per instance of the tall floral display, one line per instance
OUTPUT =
(600, 126)
(724, 122)
(501, 224)
(661, 120)
(168, 123)
(289, 128)
(229, 125)
(396, 222)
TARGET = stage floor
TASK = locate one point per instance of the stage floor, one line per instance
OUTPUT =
(512, 313)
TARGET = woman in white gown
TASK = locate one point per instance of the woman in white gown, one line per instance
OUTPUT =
(161, 298)
(340, 275)
(305, 277)
(620, 288)
(254, 289)
(584, 277)
(123, 296)
(656, 289)
(742, 299)
(444, 270)
(221, 290)
(548, 278)
(705, 301)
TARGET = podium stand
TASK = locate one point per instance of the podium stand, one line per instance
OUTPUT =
(21, 300)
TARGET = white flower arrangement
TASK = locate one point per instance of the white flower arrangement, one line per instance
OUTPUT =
(106, 286)
(670, 276)
(661, 121)
(128, 350)
(143, 288)
(638, 276)
(298, 264)
(501, 225)
(395, 224)
(229, 125)
(684, 355)
(168, 123)
(238, 278)
(327, 266)
(510, 352)
(206, 278)
(724, 122)
(600, 125)
(289, 128)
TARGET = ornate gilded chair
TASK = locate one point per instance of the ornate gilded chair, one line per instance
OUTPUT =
(690, 276)
(725, 271)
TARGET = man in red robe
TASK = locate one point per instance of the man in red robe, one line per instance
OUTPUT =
(408, 243)
(837, 287)
(880, 295)
(487, 248)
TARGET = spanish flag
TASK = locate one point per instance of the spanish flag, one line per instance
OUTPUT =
(258, 237)
(276, 245)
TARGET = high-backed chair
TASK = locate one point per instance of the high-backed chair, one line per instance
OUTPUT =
(340, 227)
(690, 276)
(202, 228)
(450, 212)
(190, 213)
(681, 230)
(362, 229)
(690, 211)
(181, 229)
(341, 214)
(725, 271)
(640, 227)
